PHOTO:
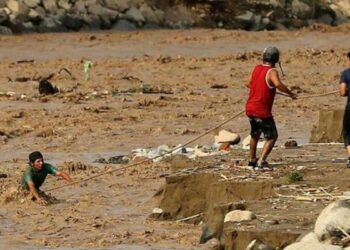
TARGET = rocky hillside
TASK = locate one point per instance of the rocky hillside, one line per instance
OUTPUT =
(20, 16)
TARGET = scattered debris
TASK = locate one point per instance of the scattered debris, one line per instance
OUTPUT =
(291, 144)
(218, 86)
(46, 88)
(120, 159)
(25, 61)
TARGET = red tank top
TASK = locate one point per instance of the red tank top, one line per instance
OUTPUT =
(261, 95)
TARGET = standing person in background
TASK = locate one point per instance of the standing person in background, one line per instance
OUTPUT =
(343, 91)
(263, 84)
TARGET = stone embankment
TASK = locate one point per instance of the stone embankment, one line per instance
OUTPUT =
(21, 16)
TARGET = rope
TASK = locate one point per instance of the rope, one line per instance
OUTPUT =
(310, 96)
(147, 160)
(178, 147)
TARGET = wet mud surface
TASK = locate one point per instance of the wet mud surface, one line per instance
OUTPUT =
(146, 89)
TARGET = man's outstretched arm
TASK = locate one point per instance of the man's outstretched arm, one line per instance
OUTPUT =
(64, 176)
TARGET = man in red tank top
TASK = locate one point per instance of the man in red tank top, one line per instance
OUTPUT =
(263, 84)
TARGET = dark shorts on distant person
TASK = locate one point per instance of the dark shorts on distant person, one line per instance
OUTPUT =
(346, 127)
(266, 126)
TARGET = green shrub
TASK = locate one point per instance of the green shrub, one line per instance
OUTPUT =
(295, 176)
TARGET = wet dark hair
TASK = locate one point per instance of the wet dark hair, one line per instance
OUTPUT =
(348, 55)
(35, 156)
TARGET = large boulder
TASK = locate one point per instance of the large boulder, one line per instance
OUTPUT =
(32, 3)
(50, 5)
(92, 21)
(72, 21)
(134, 14)
(333, 219)
(80, 6)
(119, 5)
(344, 6)
(19, 10)
(245, 21)
(51, 24)
(65, 4)
(5, 30)
(3, 16)
(150, 15)
(106, 15)
(124, 25)
(302, 10)
(311, 246)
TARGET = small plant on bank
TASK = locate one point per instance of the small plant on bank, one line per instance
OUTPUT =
(295, 176)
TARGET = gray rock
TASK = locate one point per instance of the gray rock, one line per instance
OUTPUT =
(302, 10)
(258, 245)
(80, 6)
(41, 11)
(107, 16)
(15, 25)
(335, 215)
(135, 3)
(124, 25)
(246, 21)
(135, 15)
(312, 246)
(3, 16)
(65, 4)
(326, 19)
(50, 5)
(151, 26)
(150, 15)
(32, 3)
(101, 11)
(51, 24)
(5, 30)
(34, 16)
(119, 5)
(28, 27)
(72, 21)
(92, 21)
(238, 216)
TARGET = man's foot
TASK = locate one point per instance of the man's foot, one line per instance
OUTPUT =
(348, 163)
(264, 166)
(252, 164)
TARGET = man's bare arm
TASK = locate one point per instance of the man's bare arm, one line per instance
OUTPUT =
(64, 176)
(343, 90)
(33, 191)
(274, 78)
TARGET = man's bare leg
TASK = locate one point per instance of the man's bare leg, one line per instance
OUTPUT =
(268, 146)
(253, 146)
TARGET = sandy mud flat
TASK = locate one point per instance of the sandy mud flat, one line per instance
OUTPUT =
(151, 88)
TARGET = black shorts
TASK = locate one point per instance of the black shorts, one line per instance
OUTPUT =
(346, 127)
(266, 126)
